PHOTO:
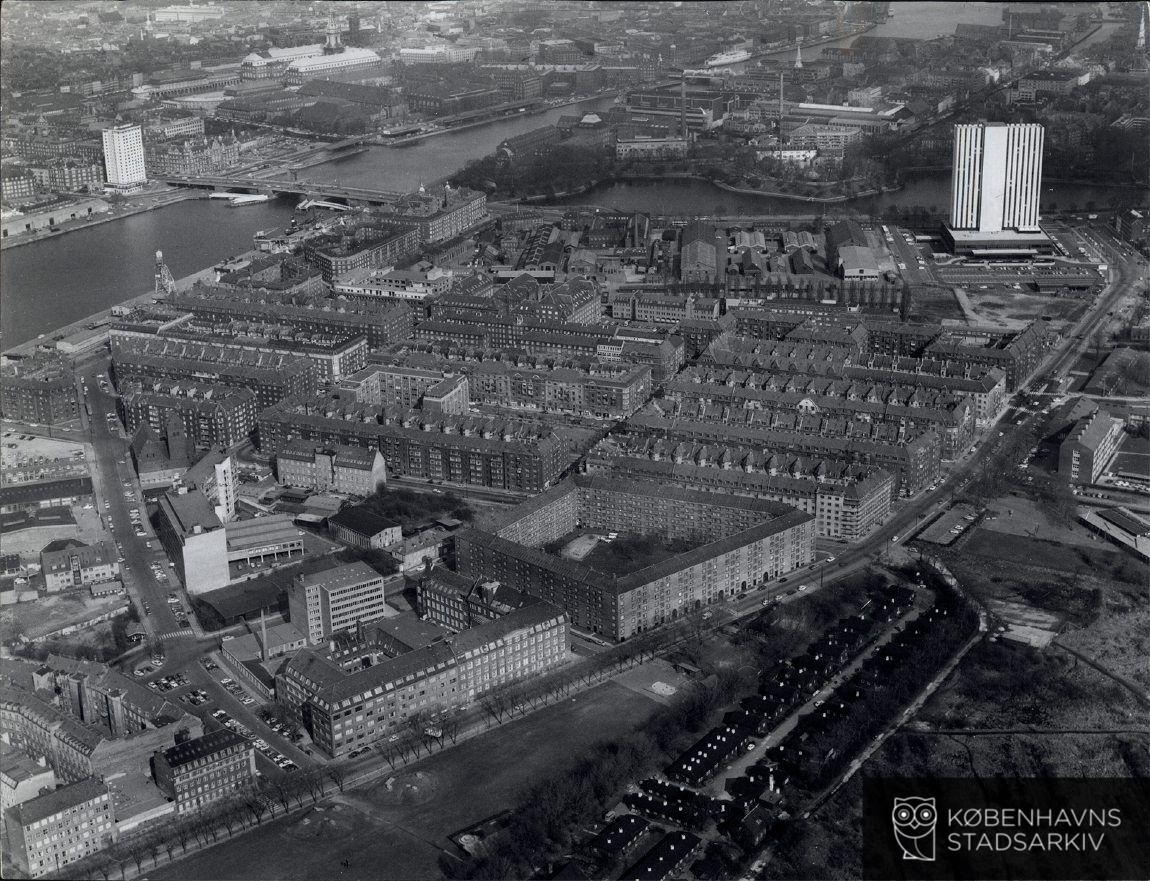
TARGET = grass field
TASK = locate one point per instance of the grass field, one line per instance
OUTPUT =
(1040, 553)
(399, 832)
(1021, 516)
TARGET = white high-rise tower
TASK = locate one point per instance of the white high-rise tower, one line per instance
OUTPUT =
(124, 156)
(997, 177)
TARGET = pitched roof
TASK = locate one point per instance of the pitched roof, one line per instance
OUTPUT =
(362, 521)
(55, 802)
(202, 747)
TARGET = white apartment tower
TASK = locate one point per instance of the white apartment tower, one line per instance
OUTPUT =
(124, 156)
(997, 177)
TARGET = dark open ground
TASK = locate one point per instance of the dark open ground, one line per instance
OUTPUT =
(398, 834)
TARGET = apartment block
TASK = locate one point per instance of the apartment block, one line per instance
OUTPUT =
(341, 469)
(1088, 449)
(472, 450)
(199, 771)
(61, 827)
(740, 542)
(67, 563)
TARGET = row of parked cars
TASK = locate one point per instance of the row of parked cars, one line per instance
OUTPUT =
(195, 698)
(235, 690)
(262, 746)
(169, 683)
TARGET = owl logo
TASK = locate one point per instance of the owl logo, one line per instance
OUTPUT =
(914, 820)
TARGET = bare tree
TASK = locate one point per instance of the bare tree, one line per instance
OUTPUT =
(257, 806)
(335, 773)
(495, 705)
(451, 726)
(183, 833)
(283, 794)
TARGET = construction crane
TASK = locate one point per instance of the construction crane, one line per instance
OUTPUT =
(165, 284)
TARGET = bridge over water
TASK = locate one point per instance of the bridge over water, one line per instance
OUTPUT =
(307, 189)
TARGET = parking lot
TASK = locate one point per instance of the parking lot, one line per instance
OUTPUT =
(950, 526)
(266, 750)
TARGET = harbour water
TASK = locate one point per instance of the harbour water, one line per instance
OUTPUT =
(54, 282)
(50, 283)
(930, 191)
(423, 161)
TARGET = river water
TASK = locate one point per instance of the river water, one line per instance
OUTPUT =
(47, 284)
(59, 280)
(930, 191)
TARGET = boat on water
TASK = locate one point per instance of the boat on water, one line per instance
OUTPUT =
(254, 199)
(732, 56)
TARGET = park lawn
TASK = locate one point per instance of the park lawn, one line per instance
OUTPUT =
(399, 834)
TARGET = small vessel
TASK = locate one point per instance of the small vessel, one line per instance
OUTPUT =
(732, 56)
(253, 199)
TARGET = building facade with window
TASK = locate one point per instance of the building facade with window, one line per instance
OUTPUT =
(362, 695)
(205, 769)
(61, 827)
(338, 599)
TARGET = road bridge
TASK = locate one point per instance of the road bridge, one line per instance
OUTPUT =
(308, 189)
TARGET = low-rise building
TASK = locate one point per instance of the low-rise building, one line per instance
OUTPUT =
(360, 527)
(420, 551)
(61, 827)
(263, 541)
(640, 147)
(67, 563)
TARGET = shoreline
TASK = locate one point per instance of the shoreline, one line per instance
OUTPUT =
(411, 139)
(686, 175)
(29, 347)
(163, 200)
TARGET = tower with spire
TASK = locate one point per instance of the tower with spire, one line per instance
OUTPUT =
(332, 44)
(799, 54)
